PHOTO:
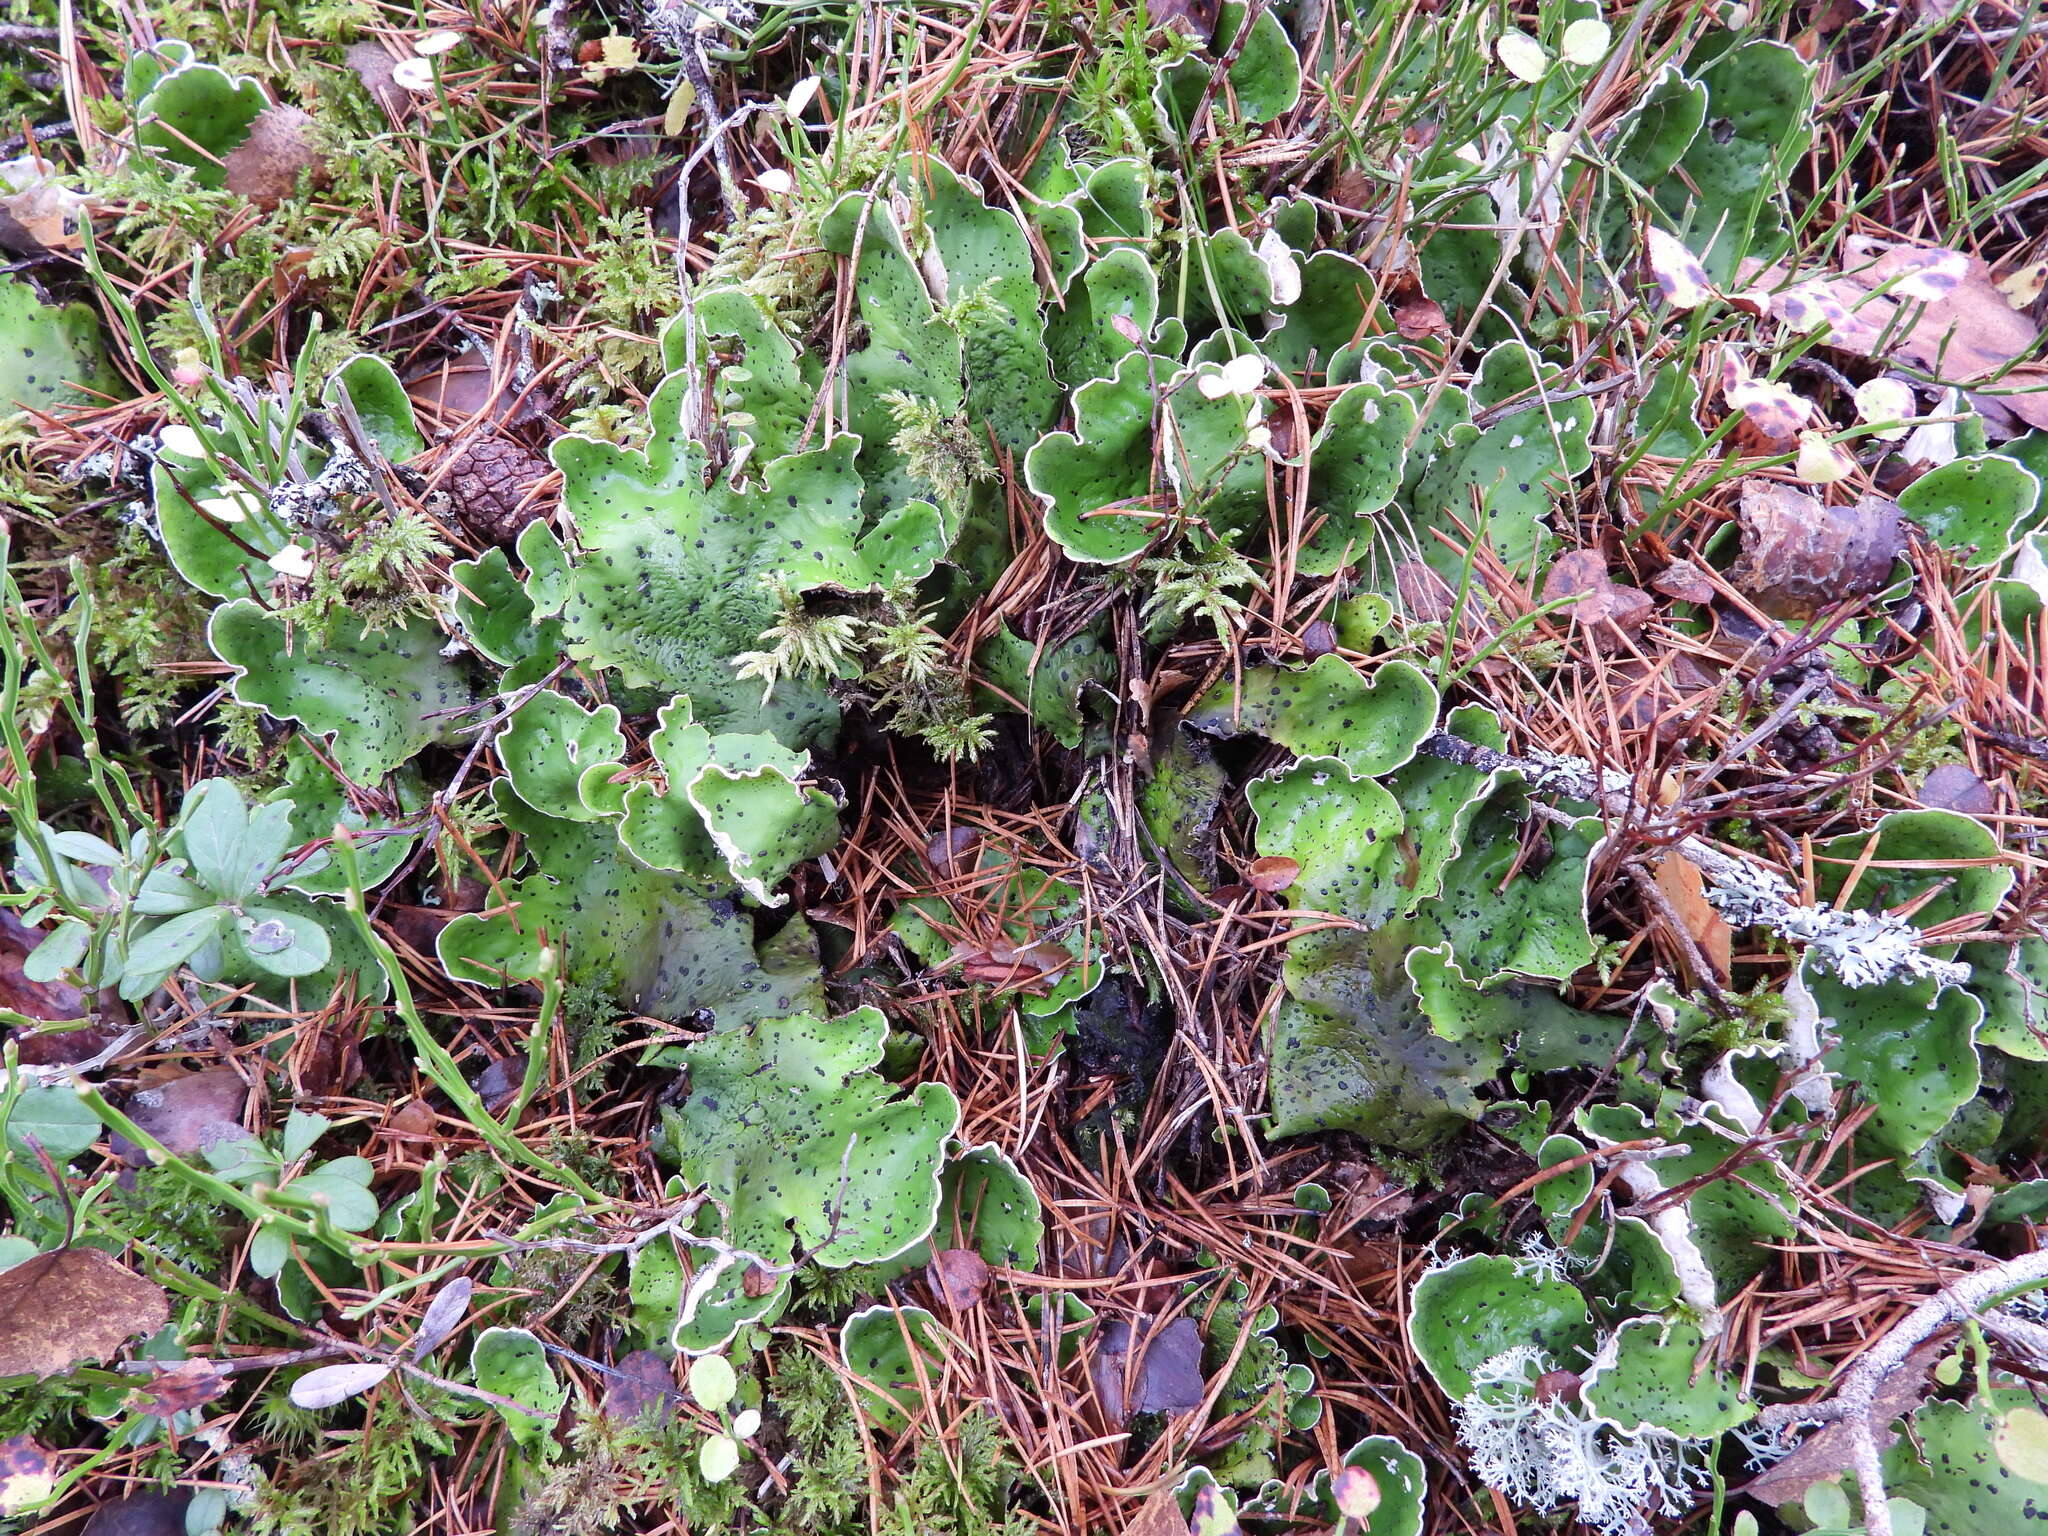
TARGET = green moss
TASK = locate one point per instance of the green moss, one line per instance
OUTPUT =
(368, 1483)
(146, 622)
(958, 1486)
(615, 1467)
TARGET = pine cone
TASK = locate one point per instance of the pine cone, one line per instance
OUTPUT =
(489, 488)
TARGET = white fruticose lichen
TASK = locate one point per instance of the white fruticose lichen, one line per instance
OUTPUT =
(1544, 1257)
(1542, 1450)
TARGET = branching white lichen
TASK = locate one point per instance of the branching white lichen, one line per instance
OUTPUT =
(1863, 948)
(1539, 1253)
(1543, 1449)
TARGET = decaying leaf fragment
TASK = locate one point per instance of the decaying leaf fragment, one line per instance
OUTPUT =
(1166, 1377)
(1685, 889)
(1799, 555)
(265, 167)
(72, 1304)
(39, 212)
(1600, 603)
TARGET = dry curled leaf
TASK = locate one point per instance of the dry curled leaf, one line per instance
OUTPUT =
(1598, 601)
(72, 1304)
(1799, 556)
(1685, 581)
(1272, 874)
(39, 213)
(958, 1277)
(1004, 965)
(1420, 318)
(1772, 415)
(176, 1389)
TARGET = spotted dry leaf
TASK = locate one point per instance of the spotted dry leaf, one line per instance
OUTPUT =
(1675, 270)
(1939, 309)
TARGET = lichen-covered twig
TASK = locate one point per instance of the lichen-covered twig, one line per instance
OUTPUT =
(1863, 948)
(1854, 1404)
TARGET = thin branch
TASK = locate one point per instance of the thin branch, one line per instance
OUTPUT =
(1863, 948)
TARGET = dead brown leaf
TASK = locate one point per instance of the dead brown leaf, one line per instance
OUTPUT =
(1685, 581)
(37, 999)
(1599, 602)
(172, 1390)
(1272, 874)
(413, 1121)
(38, 212)
(187, 1114)
(1428, 599)
(1799, 556)
(644, 1386)
(374, 66)
(1826, 1452)
(1192, 18)
(1940, 309)
(1158, 1516)
(949, 851)
(462, 391)
(72, 1304)
(1953, 787)
(1421, 318)
(283, 142)
(1167, 1377)
(1004, 965)
(141, 1514)
(958, 1277)
(1662, 694)
(1685, 888)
